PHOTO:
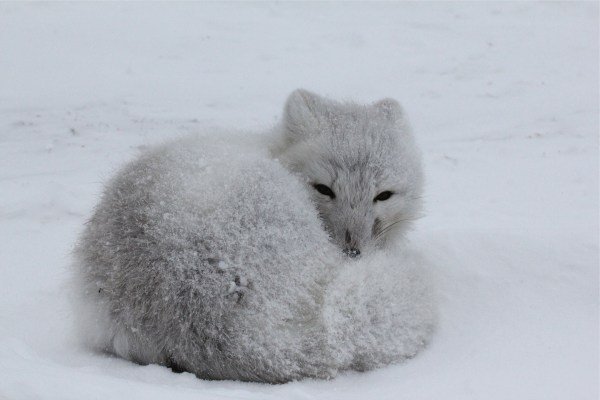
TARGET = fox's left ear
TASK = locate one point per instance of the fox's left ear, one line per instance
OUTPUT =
(302, 113)
(390, 109)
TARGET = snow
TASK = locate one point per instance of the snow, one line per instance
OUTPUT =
(503, 98)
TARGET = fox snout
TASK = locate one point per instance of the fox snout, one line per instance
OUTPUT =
(350, 249)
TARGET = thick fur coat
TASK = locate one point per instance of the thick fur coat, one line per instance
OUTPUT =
(210, 256)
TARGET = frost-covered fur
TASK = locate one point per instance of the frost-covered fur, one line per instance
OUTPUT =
(208, 256)
(359, 151)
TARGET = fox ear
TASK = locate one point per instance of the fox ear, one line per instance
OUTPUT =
(390, 108)
(301, 112)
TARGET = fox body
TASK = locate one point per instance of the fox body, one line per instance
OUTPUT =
(209, 255)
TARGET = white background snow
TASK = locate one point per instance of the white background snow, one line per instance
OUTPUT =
(503, 98)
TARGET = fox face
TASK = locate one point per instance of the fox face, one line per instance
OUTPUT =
(360, 164)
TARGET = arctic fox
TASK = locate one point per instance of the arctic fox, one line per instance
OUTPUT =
(209, 254)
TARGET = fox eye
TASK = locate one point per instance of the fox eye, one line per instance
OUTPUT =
(324, 190)
(383, 196)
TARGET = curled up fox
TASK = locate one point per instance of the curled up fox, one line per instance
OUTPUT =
(263, 258)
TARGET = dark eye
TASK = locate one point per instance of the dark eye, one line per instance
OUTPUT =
(383, 196)
(324, 190)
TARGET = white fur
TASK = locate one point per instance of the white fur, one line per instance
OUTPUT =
(208, 256)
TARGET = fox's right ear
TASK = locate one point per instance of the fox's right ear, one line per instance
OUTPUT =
(301, 113)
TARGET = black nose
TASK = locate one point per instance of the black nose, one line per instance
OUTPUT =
(352, 252)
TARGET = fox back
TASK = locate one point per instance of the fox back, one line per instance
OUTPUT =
(360, 164)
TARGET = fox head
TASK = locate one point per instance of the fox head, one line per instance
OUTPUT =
(360, 164)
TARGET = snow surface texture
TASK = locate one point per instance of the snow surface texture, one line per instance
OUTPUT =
(208, 256)
(503, 98)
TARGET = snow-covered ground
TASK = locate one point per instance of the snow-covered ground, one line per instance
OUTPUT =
(504, 101)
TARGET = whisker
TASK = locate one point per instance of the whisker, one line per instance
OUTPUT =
(391, 225)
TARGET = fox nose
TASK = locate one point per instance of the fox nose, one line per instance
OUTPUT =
(351, 252)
